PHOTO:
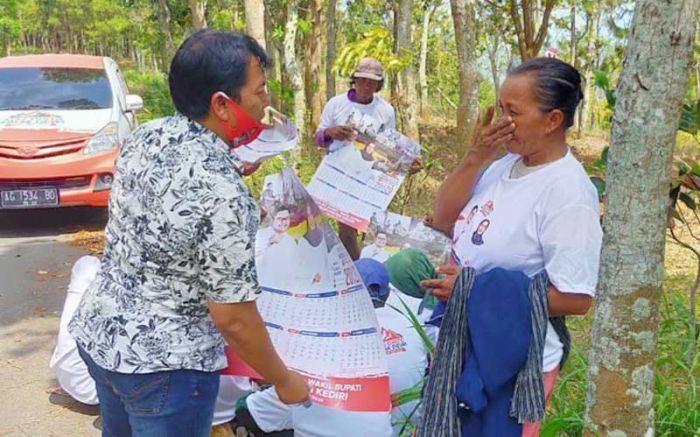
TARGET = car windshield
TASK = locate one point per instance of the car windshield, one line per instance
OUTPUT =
(54, 88)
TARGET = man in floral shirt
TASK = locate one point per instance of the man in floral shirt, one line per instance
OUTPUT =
(178, 269)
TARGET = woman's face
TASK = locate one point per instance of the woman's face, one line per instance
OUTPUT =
(516, 98)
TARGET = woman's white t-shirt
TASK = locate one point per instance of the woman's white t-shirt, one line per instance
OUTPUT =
(545, 220)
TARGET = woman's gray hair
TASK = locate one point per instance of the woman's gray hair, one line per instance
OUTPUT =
(557, 85)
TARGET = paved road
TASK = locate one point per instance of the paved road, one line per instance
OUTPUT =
(35, 262)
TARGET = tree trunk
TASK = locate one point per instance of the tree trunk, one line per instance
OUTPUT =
(464, 17)
(292, 67)
(408, 98)
(592, 53)
(649, 95)
(255, 20)
(198, 9)
(330, 49)
(572, 31)
(314, 94)
(164, 19)
(492, 50)
(422, 70)
(273, 52)
(573, 61)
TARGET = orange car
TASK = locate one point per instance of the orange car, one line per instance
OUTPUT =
(62, 119)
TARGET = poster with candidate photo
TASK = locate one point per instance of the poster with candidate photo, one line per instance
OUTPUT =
(361, 178)
(388, 233)
(317, 310)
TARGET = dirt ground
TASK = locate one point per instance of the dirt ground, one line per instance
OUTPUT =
(36, 255)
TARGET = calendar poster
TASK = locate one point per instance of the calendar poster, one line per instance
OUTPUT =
(317, 310)
(388, 233)
(361, 178)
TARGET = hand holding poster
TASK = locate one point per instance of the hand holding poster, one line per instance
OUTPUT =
(317, 310)
(359, 179)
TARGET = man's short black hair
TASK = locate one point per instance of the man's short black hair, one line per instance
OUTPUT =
(210, 61)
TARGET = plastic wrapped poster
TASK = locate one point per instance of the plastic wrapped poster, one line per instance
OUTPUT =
(317, 310)
(361, 178)
(280, 136)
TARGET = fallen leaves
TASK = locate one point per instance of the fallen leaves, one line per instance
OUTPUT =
(93, 241)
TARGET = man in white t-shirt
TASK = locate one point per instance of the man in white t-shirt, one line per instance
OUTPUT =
(408, 361)
(367, 80)
(376, 250)
(333, 133)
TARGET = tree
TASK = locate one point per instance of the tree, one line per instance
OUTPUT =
(314, 61)
(524, 15)
(428, 9)
(406, 80)
(649, 98)
(292, 67)
(591, 60)
(255, 20)
(164, 19)
(9, 25)
(330, 49)
(464, 17)
(198, 10)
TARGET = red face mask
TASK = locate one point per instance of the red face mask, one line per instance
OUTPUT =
(247, 129)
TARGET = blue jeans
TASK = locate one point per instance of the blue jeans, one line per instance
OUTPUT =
(161, 404)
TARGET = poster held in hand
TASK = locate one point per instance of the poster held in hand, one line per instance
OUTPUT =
(362, 178)
(317, 310)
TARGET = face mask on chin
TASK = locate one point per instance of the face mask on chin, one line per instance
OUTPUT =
(247, 129)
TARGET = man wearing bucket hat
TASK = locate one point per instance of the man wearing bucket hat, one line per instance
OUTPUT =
(333, 133)
(367, 80)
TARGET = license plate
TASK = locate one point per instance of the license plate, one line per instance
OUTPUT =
(29, 198)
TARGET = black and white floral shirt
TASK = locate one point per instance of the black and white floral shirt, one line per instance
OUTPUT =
(180, 233)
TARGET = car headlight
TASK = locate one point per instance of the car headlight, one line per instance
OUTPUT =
(107, 138)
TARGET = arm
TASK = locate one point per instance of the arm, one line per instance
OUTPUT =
(327, 130)
(566, 304)
(348, 236)
(456, 190)
(454, 193)
(560, 303)
(225, 259)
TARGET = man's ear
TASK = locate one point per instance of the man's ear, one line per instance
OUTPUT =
(555, 120)
(220, 109)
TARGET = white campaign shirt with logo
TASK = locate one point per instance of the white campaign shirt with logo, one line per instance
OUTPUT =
(339, 108)
(408, 360)
(545, 220)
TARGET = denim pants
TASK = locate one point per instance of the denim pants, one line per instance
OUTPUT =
(163, 404)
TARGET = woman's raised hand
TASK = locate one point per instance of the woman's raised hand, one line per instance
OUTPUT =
(489, 137)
